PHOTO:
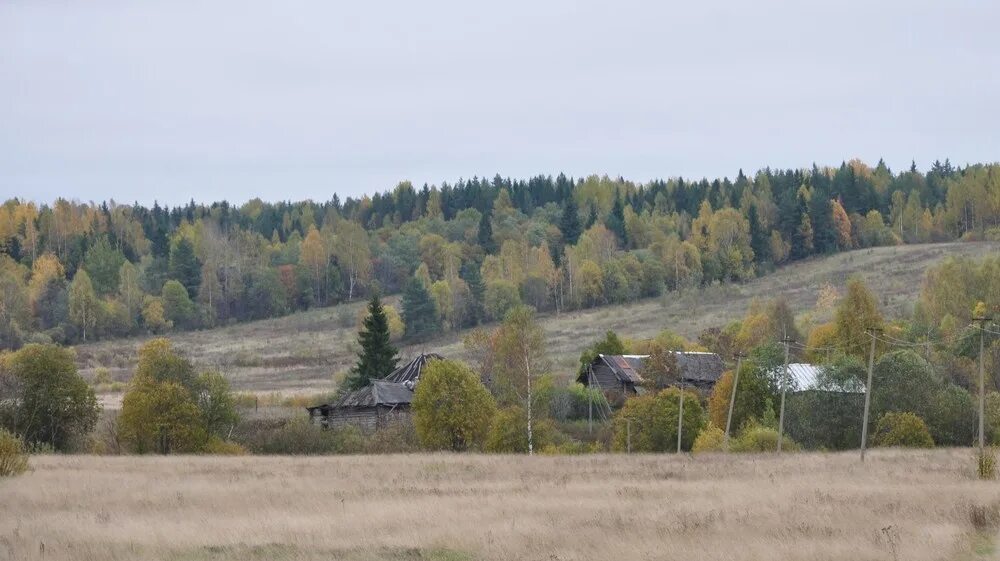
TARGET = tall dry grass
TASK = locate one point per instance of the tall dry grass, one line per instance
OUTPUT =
(913, 505)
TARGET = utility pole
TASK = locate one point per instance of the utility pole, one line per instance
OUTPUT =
(590, 400)
(784, 390)
(868, 391)
(732, 398)
(981, 320)
(680, 413)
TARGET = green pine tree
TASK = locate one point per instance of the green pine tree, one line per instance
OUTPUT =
(377, 357)
(419, 312)
(569, 223)
(616, 220)
(485, 234)
(184, 266)
(759, 238)
(471, 275)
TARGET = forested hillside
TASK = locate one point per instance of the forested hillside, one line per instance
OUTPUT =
(460, 253)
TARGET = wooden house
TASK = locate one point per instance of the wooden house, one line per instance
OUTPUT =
(380, 402)
(622, 373)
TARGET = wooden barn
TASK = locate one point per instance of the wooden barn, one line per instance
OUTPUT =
(381, 402)
(621, 373)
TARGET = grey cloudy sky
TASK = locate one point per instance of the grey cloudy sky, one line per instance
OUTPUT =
(172, 100)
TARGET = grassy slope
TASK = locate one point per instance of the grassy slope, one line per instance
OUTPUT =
(301, 352)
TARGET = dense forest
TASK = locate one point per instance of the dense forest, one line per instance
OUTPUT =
(459, 253)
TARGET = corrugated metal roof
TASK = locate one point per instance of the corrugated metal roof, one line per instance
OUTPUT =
(809, 377)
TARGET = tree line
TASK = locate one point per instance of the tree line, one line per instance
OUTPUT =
(461, 253)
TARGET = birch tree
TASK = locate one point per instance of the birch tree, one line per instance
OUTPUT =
(350, 246)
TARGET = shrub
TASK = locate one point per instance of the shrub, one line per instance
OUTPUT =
(396, 437)
(452, 409)
(299, 437)
(987, 464)
(53, 404)
(509, 432)
(13, 456)
(501, 296)
(653, 421)
(902, 429)
(102, 377)
(710, 439)
(219, 447)
(908, 383)
(758, 438)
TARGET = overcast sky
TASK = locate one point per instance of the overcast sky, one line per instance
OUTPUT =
(172, 100)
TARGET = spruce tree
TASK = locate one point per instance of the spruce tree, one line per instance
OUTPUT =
(569, 223)
(821, 219)
(471, 275)
(377, 357)
(184, 266)
(759, 238)
(616, 220)
(592, 217)
(419, 312)
(485, 235)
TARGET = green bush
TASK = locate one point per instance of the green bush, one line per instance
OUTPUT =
(710, 439)
(218, 447)
(759, 438)
(902, 429)
(509, 432)
(987, 464)
(452, 409)
(13, 456)
(652, 422)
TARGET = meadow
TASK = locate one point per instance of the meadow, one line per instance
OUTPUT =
(301, 354)
(913, 505)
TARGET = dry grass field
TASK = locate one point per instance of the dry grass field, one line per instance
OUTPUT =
(300, 353)
(912, 505)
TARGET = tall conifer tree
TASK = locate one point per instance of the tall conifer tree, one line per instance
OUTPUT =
(569, 223)
(377, 357)
(419, 313)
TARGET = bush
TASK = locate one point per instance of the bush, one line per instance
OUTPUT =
(299, 437)
(501, 296)
(710, 439)
(987, 464)
(452, 409)
(52, 403)
(902, 429)
(219, 447)
(758, 438)
(509, 432)
(396, 437)
(13, 456)
(653, 421)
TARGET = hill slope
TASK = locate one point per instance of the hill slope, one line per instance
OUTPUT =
(301, 352)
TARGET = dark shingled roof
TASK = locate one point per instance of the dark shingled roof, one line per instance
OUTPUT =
(701, 367)
(696, 367)
(410, 371)
(394, 389)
